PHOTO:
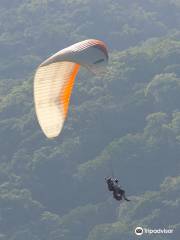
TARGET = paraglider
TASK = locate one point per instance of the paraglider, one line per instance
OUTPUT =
(118, 192)
(54, 80)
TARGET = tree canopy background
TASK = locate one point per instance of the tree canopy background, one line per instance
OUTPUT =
(130, 117)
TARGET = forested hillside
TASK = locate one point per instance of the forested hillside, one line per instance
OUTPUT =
(127, 119)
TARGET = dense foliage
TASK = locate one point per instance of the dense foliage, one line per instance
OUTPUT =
(128, 119)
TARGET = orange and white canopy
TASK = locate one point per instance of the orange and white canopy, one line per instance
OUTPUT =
(54, 80)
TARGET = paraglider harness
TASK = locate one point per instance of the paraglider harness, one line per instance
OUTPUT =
(118, 193)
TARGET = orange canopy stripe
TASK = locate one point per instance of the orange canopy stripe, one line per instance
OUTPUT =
(67, 89)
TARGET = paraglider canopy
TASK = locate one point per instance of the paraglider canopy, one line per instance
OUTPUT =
(54, 80)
